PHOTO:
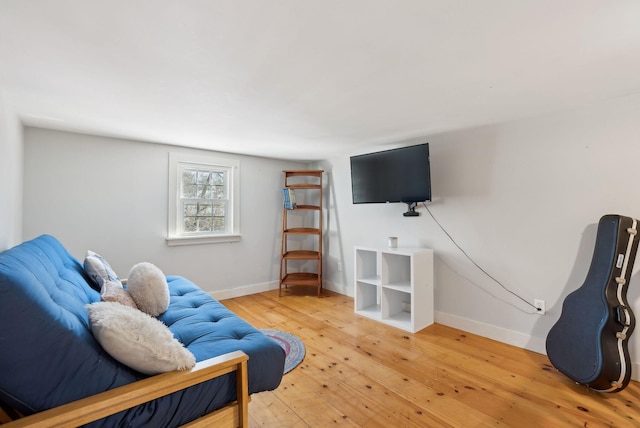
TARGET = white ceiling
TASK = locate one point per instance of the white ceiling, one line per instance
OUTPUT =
(309, 79)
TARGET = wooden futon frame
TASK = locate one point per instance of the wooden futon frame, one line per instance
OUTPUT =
(89, 409)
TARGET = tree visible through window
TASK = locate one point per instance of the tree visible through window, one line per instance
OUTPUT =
(203, 200)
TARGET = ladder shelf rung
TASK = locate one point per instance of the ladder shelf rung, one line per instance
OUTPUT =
(301, 255)
(301, 278)
(303, 186)
(305, 207)
(302, 231)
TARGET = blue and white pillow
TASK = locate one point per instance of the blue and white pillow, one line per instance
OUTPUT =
(99, 270)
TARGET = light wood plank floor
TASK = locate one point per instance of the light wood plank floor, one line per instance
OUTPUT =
(358, 372)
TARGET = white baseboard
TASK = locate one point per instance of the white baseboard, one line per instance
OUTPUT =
(245, 290)
(510, 337)
(338, 288)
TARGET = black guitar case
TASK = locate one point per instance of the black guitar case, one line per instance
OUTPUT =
(589, 343)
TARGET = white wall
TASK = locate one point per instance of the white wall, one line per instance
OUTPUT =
(523, 199)
(110, 195)
(10, 175)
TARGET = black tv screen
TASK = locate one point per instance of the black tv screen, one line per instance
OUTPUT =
(397, 175)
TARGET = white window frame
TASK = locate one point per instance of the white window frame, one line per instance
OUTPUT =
(175, 235)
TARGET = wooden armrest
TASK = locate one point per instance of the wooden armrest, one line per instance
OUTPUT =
(107, 403)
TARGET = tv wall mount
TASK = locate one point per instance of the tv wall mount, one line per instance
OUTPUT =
(411, 210)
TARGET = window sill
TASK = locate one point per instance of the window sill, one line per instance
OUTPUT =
(195, 240)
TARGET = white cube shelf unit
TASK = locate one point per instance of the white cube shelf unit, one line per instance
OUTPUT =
(395, 286)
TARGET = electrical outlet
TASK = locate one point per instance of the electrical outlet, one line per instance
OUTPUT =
(540, 306)
(339, 266)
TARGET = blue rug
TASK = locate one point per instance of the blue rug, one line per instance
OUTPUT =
(293, 347)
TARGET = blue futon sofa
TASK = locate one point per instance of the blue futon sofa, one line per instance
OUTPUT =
(49, 357)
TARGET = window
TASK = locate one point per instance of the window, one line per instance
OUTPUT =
(203, 200)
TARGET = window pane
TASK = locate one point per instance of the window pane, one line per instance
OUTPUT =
(218, 179)
(204, 177)
(218, 224)
(190, 209)
(189, 191)
(190, 224)
(218, 210)
(218, 192)
(204, 224)
(188, 176)
(205, 210)
(204, 192)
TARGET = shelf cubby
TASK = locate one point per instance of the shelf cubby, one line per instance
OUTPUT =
(395, 286)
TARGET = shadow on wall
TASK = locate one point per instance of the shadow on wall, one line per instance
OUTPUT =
(333, 236)
(576, 280)
(277, 243)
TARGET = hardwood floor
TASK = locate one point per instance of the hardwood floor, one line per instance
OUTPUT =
(358, 372)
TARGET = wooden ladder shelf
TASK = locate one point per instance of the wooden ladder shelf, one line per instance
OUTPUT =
(301, 249)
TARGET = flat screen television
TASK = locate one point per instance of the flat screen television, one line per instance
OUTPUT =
(396, 175)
